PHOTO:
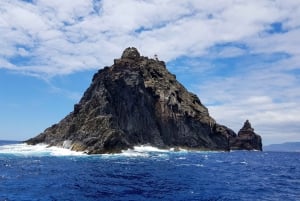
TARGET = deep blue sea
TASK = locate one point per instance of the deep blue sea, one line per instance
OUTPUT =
(40, 173)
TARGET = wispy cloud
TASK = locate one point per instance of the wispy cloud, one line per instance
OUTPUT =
(268, 95)
(248, 51)
(62, 37)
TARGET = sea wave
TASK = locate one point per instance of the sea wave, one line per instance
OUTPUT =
(37, 150)
(23, 149)
(141, 151)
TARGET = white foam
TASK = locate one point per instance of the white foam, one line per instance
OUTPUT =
(244, 162)
(147, 148)
(191, 164)
(37, 150)
(45, 150)
(142, 151)
(132, 153)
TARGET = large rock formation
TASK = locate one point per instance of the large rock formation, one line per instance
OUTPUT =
(247, 139)
(138, 101)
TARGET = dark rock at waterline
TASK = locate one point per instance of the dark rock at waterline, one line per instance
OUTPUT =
(138, 101)
(246, 139)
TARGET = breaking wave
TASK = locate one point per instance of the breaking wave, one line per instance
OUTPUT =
(23, 149)
(37, 150)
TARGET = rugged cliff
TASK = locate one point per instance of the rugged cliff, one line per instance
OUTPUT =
(138, 101)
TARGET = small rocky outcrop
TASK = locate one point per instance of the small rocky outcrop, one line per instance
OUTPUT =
(138, 101)
(246, 139)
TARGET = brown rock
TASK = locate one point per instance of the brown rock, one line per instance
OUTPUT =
(247, 139)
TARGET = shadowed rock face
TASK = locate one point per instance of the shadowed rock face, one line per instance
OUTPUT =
(138, 101)
(247, 139)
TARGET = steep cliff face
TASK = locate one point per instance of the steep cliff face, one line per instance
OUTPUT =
(137, 101)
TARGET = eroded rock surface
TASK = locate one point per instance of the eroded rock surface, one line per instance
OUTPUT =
(138, 101)
(246, 139)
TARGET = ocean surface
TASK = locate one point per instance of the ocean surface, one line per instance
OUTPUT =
(146, 173)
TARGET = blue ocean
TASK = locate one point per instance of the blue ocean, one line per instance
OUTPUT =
(145, 173)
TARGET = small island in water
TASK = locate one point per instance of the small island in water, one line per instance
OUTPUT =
(137, 101)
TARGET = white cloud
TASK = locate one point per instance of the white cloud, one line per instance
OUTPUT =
(83, 28)
(266, 95)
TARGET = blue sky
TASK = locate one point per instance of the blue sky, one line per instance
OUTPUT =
(242, 58)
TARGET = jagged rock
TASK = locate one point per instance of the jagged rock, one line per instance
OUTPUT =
(130, 53)
(137, 101)
(247, 139)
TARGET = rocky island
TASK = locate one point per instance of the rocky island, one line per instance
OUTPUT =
(137, 101)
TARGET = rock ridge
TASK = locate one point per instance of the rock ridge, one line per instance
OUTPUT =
(137, 101)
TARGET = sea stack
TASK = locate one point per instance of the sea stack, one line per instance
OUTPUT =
(137, 101)
(247, 139)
